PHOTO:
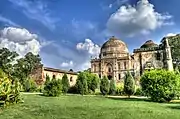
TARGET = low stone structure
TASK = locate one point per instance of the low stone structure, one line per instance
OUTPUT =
(40, 75)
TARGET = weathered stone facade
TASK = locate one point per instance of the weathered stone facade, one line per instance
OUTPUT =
(40, 75)
(115, 60)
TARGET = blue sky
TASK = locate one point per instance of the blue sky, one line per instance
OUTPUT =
(67, 33)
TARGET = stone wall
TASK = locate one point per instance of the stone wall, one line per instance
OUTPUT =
(58, 75)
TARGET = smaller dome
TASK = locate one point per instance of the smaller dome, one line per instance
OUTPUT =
(149, 44)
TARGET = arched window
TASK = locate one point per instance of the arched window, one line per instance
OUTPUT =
(109, 69)
(54, 77)
(71, 79)
(119, 76)
(94, 68)
(158, 56)
(125, 65)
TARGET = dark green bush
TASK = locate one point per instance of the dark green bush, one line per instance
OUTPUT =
(160, 85)
(65, 84)
(112, 89)
(53, 88)
(104, 85)
(73, 90)
(129, 84)
(139, 92)
(81, 84)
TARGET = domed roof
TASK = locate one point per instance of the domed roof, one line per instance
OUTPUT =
(149, 44)
(114, 44)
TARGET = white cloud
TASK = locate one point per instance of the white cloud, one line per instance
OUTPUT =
(8, 21)
(19, 40)
(140, 19)
(37, 10)
(171, 34)
(67, 64)
(89, 47)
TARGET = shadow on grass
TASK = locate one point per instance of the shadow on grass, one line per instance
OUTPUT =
(129, 99)
(174, 107)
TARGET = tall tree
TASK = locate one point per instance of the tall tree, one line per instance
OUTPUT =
(104, 85)
(81, 83)
(129, 84)
(65, 84)
(112, 89)
(7, 58)
(26, 66)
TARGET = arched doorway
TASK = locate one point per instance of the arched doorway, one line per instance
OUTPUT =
(109, 77)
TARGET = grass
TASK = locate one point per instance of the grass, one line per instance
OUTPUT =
(89, 107)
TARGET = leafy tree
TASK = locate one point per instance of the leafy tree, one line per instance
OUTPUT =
(65, 84)
(94, 83)
(53, 88)
(7, 58)
(160, 85)
(129, 84)
(81, 83)
(26, 66)
(112, 89)
(104, 85)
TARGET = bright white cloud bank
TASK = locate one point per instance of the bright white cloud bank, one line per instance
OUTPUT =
(142, 18)
(19, 40)
(89, 47)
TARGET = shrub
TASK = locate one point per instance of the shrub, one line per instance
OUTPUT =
(81, 84)
(160, 85)
(94, 83)
(129, 84)
(139, 92)
(40, 88)
(112, 89)
(104, 85)
(47, 79)
(53, 88)
(30, 85)
(65, 84)
(9, 90)
(73, 90)
(120, 88)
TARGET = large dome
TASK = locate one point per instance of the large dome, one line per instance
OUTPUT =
(115, 46)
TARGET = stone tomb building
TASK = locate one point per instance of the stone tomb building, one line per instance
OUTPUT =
(115, 60)
(40, 75)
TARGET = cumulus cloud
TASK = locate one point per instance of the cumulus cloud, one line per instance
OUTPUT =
(19, 40)
(89, 47)
(140, 19)
(67, 64)
(171, 34)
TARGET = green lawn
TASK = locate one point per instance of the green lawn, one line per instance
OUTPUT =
(89, 107)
